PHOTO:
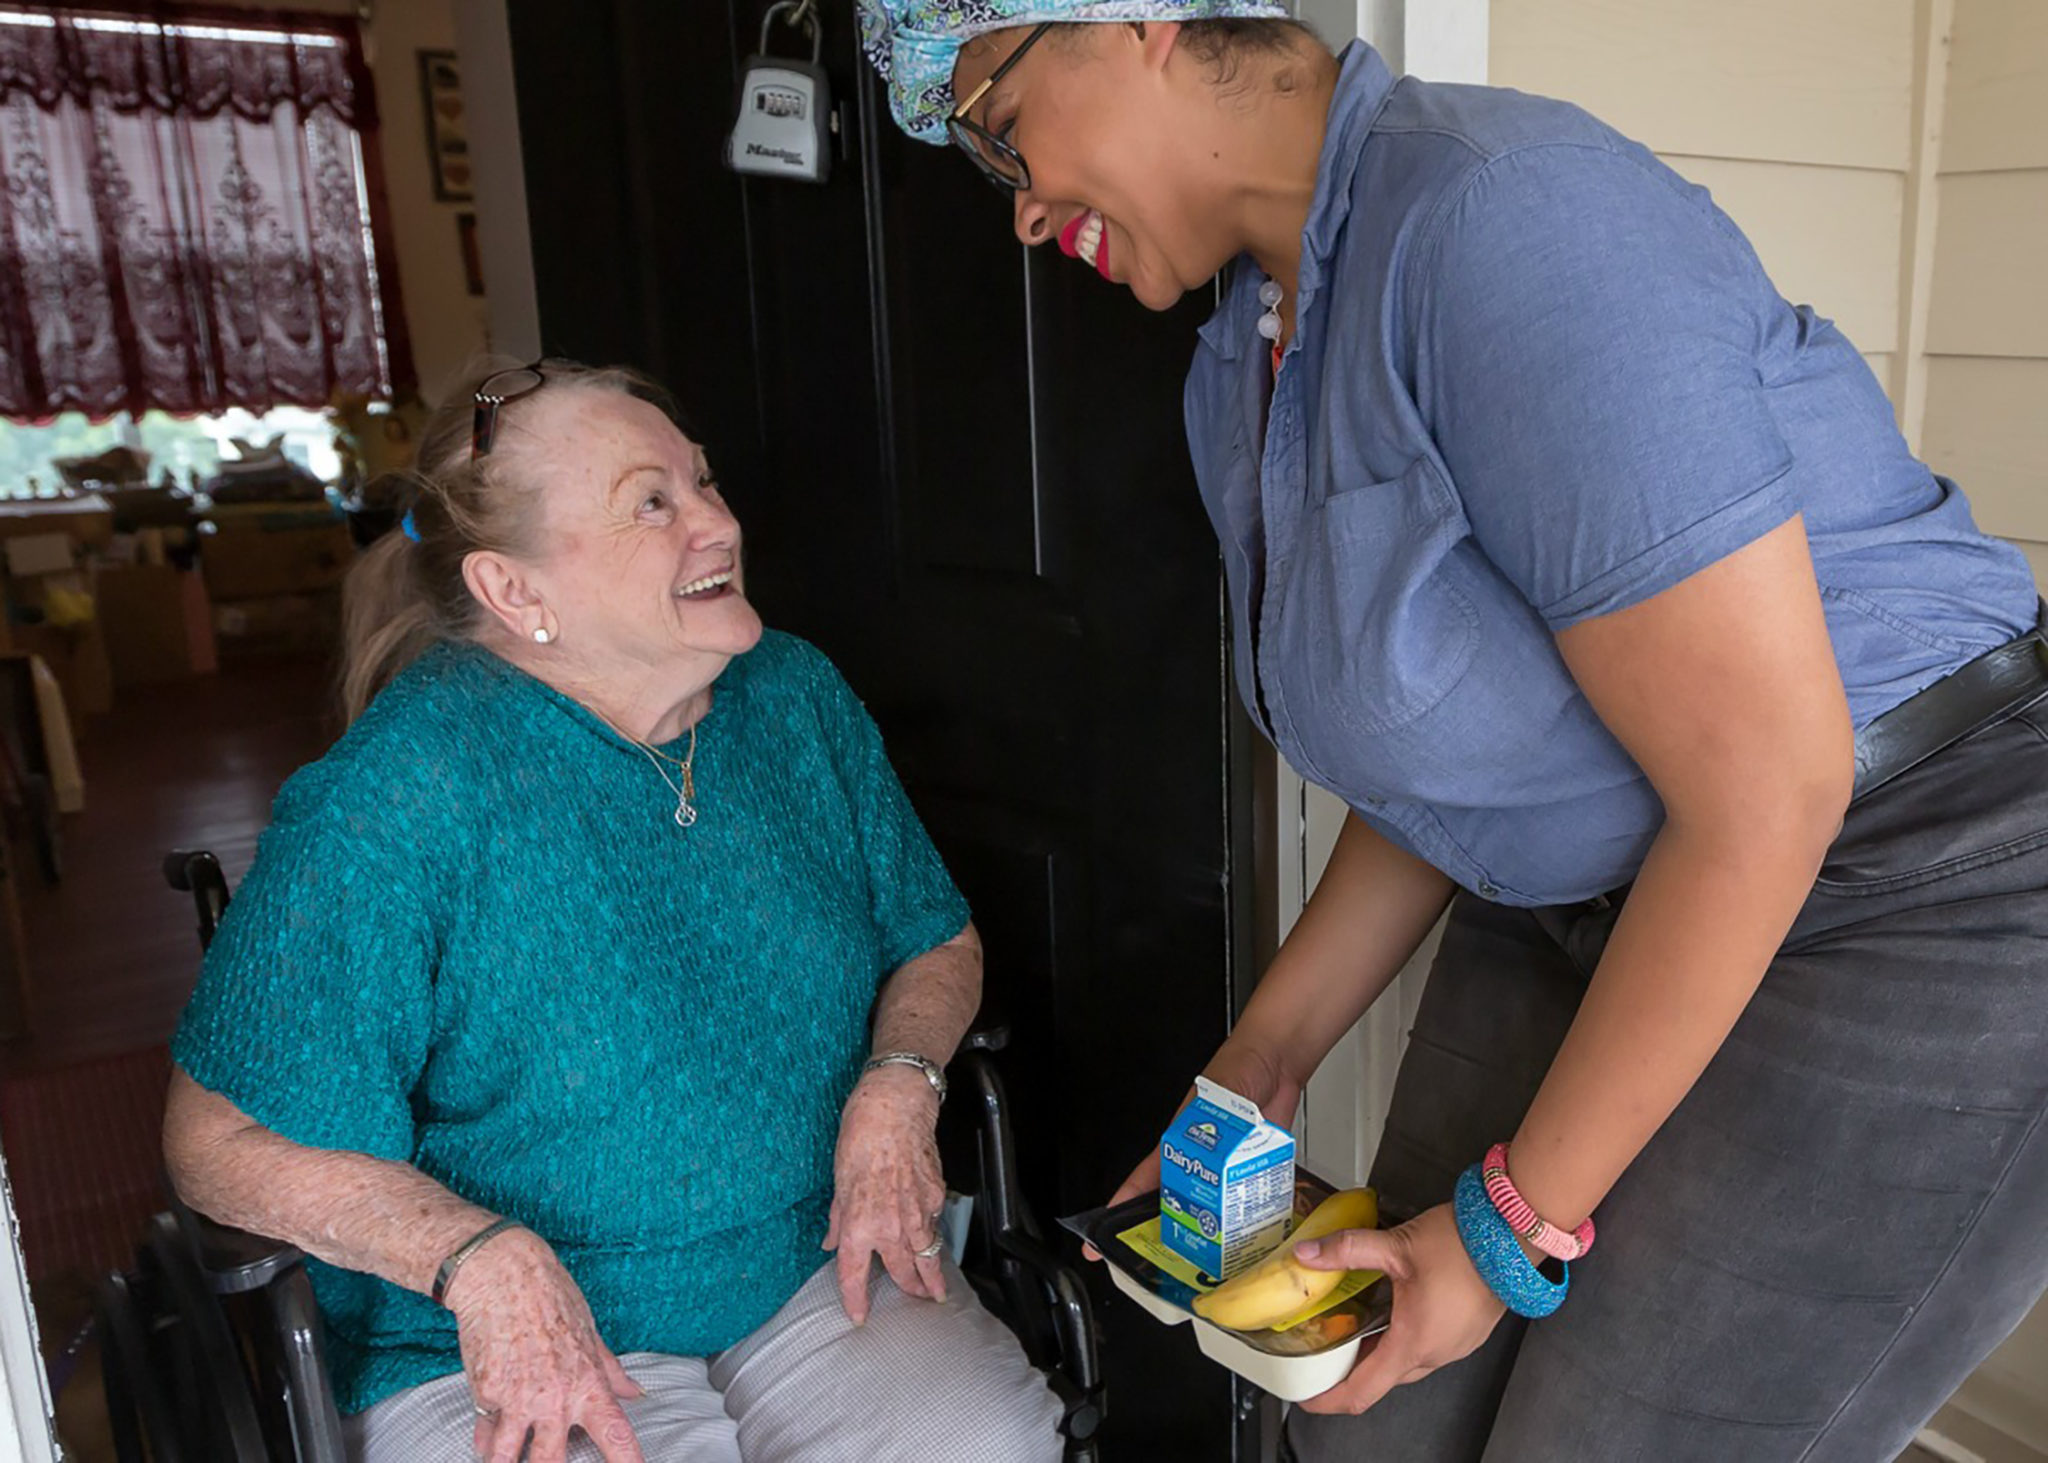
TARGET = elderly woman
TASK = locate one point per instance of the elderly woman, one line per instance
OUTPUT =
(543, 1019)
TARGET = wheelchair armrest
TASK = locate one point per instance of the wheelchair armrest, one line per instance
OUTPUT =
(989, 1033)
(198, 873)
(309, 1394)
(234, 1260)
(1058, 1276)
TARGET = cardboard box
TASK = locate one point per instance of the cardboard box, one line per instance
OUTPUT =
(55, 616)
(39, 553)
(88, 519)
(78, 659)
(1226, 1182)
(264, 554)
(157, 623)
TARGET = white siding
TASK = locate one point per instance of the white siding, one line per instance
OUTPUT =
(1986, 423)
(1811, 81)
(1805, 141)
(1998, 82)
(1991, 265)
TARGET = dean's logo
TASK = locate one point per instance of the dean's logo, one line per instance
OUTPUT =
(1204, 1134)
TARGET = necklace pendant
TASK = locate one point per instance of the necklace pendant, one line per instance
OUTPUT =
(686, 813)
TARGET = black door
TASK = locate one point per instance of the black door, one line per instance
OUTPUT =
(963, 476)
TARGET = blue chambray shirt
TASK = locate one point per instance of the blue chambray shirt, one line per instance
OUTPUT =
(1538, 377)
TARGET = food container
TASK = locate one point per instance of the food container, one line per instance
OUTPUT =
(1295, 1364)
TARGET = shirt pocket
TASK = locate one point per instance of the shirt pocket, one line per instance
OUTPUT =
(1376, 631)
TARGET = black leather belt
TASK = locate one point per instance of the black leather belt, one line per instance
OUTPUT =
(1987, 690)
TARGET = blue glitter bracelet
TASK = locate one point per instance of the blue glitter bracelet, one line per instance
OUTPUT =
(1498, 1256)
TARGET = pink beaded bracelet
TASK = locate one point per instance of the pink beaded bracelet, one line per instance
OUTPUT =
(1508, 1202)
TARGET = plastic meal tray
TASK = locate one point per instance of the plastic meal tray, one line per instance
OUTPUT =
(1296, 1364)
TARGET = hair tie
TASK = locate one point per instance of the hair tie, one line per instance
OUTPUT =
(407, 527)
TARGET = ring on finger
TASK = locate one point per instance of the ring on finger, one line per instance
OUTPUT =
(486, 1412)
(931, 1251)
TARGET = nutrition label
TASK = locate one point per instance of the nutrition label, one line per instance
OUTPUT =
(1258, 1200)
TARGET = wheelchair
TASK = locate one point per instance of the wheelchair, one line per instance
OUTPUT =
(212, 1350)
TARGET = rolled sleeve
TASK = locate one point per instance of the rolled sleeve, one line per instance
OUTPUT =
(1588, 334)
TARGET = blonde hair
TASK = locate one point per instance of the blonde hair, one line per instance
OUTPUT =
(407, 593)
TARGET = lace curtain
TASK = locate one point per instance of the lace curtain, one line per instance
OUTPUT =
(186, 214)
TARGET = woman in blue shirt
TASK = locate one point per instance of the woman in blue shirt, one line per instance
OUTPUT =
(594, 980)
(1597, 580)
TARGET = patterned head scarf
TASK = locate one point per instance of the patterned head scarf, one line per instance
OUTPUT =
(914, 43)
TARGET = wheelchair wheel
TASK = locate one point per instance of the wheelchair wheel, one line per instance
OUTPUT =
(138, 1415)
(201, 1352)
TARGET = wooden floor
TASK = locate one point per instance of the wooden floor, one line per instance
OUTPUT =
(112, 953)
(193, 764)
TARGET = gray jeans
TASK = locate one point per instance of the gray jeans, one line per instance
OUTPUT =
(1842, 1218)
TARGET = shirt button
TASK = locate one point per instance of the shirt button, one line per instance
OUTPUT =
(1374, 802)
(1486, 890)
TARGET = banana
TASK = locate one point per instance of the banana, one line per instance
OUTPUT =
(1280, 1286)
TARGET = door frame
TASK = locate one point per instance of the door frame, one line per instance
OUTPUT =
(1344, 1109)
(27, 1419)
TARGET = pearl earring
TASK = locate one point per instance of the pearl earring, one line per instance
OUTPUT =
(541, 635)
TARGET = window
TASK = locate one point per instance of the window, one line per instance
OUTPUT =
(190, 449)
(190, 216)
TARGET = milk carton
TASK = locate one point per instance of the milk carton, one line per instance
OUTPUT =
(1226, 1182)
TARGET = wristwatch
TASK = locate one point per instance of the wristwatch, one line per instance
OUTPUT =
(933, 1072)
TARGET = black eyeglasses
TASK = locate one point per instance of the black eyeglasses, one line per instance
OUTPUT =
(999, 162)
(495, 390)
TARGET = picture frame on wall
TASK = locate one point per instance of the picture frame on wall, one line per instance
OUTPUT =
(448, 159)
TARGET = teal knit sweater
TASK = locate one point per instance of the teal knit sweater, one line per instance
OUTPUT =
(475, 940)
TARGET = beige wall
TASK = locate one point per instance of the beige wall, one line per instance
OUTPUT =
(1796, 113)
(1889, 159)
(1986, 419)
(446, 323)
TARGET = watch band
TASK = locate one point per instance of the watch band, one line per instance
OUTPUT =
(445, 1276)
(933, 1072)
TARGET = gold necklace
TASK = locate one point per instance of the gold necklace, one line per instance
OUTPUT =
(686, 790)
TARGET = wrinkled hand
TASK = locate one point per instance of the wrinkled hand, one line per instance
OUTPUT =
(1244, 1072)
(534, 1359)
(887, 1188)
(1442, 1309)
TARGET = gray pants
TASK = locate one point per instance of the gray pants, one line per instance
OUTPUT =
(1842, 1218)
(920, 1381)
